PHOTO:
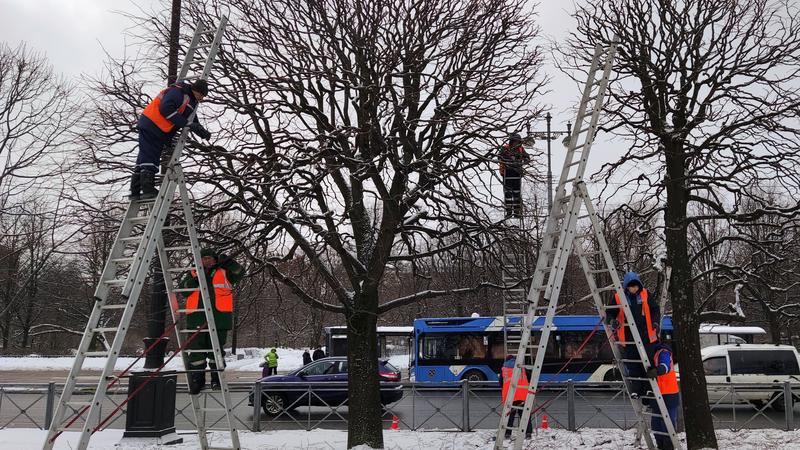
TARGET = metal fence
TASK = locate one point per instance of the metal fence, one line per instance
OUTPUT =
(461, 406)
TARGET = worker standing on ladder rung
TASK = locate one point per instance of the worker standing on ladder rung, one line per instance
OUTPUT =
(159, 122)
(221, 274)
(664, 373)
(512, 158)
(520, 394)
(646, 316)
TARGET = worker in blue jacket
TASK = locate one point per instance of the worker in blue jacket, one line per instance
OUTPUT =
(159, 122)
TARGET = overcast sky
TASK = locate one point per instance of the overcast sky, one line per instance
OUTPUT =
(73, 33)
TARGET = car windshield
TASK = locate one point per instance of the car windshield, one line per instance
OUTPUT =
(390, 367)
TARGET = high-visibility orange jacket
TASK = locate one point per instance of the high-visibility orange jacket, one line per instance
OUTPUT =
(522, 384)
(667, 380)
(652, 335)
(170, 108)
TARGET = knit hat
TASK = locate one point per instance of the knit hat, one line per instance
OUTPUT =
(200, 86)
(208, 252)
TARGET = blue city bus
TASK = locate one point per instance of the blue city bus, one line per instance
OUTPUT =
(456, 348)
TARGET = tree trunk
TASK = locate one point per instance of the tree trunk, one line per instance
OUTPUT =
(364, 425)
(686, 321)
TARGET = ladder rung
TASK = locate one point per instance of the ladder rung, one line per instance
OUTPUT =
(104, 329)
(180, 269)
(630, 360)
(612, 306)
(595, 271)
(203, 330)
(139, 219)
(194, 350)
(663, 433)
(185, 290)
(637, 378)
(103, 353)
(76, 404)
(131, 239)
(117, 281)
(623, 343)
(123, 260)
(171, 249)
(186, 311)
(115, 306)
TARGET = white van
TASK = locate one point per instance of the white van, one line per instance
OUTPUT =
(750, 363)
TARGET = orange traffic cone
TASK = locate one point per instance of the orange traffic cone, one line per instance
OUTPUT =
(544, 422)
(395, 424)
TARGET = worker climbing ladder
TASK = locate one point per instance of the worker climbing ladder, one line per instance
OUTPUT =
(573, 225)
(138, 239)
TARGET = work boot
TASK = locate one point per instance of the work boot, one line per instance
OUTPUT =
(136, 186)
(197, 381)
(215, 384)
(148, 183)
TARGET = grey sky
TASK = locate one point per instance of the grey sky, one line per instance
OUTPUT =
(73, 33)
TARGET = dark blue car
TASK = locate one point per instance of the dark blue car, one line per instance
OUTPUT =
(326, 379)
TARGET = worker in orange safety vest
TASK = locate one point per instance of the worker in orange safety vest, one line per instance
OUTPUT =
(663, 371)
(512, 159)
(520, 393)
(646, 317)
(163, 117)
(221, 274)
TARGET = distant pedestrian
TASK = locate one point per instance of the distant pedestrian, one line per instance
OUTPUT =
(306, 357)
(271, 359)
(318, 354)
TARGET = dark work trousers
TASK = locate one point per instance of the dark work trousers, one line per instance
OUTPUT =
(512, 188)
(151, 143)
(635, 370)
(513, 415)
(663, 442)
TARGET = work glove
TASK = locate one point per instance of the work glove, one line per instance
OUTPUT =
(200, 131)
(652, 372)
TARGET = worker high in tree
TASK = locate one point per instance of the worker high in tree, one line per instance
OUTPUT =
(160, 121)
(512, 158)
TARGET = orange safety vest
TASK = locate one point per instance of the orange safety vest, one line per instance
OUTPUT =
(223, 293)
(651, 330)
(667, 383)
(153, 110)
(522, 384)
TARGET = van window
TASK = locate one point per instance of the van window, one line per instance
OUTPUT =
(715, 366)
(763, 362)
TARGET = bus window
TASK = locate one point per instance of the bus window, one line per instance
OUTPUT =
(597, 348)
(454, 347)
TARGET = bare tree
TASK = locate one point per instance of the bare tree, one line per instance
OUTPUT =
(705, 94)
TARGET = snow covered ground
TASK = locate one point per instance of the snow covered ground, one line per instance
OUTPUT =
(594, 439)
(289, 359)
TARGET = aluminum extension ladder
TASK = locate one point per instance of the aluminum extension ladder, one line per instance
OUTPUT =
(138, 238)
(571, 205)
(515, 302)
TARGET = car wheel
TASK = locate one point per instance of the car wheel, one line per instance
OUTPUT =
(273, 404)
(474, 376)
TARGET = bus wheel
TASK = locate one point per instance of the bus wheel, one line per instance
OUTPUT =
(474, 375)
(612, 375)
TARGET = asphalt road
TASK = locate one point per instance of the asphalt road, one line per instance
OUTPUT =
(439, 409)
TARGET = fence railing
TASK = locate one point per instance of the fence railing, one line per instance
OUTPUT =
(461, 406)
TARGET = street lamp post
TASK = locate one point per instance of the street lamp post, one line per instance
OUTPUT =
(549, 135)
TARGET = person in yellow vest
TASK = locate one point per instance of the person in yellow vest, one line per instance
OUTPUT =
(646, 317)
(163, 117)
(221, 274)
(664, 373)
(520, 394)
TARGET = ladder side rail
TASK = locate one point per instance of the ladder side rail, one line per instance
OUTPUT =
(551, 295)
(174, 306)
(576, 130)
(117, 248)
(136, 282)
(212, 52)
(100, 295)
(598, 108)
(198, 31)
(598, 301)
(634, 332)
(207, 307)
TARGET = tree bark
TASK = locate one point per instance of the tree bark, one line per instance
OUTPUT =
(364, 425)
(685, 316)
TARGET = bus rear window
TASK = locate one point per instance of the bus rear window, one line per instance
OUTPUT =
(763, 362)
